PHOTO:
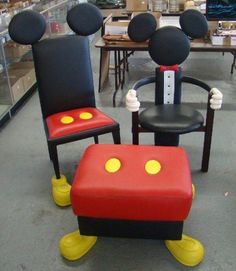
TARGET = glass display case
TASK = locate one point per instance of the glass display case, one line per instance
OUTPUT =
(17, 76)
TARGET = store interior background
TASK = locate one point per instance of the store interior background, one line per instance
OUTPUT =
(30, 223)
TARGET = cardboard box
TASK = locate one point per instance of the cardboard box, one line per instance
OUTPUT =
(15, 74)
(223, 40)
(15, 50)
(136, 5)
(29, 79)
(233, 40)
(17, 88)
(22, 65)
(116, 28)
(219, 40)
(22, 77)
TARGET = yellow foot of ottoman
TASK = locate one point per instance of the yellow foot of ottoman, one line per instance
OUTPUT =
(73, 245)
(187, 251)
(61, 191)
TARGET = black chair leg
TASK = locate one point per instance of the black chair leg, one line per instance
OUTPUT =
(135, 136)
(206, 152)
(116, 136)
(96, 141)
(54, 158)
(135, 128)
(50, 152)
(166, 139)
(207, 139)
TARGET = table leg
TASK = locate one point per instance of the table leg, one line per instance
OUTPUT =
(116, 77)
(123, 69)
(103, 68)
(233, 64)
(126, 61)
(119, 66)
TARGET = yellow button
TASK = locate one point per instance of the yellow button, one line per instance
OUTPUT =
(152, 167)
(112, 165)
(85, 116)
(67, 120)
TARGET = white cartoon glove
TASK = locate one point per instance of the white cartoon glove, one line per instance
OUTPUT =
(132, 103)
(216, 98)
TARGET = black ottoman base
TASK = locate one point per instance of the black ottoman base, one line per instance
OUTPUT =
(161, 230)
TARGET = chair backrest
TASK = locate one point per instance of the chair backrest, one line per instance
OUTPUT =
(64, 74)
(168, 46)
(62, 64)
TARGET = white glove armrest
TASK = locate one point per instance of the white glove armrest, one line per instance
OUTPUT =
(132, 103)
(216, 98)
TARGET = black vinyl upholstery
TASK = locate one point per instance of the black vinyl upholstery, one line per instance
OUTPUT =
(168, 119)
(142, 27)
(193, 23)
(64, 74)
(169, 46)
(161, 230)
(27, 27)
(171, 118)
(85, 19)
(65, 82)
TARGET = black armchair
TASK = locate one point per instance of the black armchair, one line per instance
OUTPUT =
(168, 118)
(65, 84)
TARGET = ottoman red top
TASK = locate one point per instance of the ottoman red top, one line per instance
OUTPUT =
(144, 183)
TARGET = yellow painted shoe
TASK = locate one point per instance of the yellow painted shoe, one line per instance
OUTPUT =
(193, 191)
(73, 245)
(187, 251)
(61, 191)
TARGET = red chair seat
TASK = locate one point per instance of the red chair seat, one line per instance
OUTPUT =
(131, 192)
(76, 124)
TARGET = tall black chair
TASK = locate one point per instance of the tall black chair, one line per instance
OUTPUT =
(168, 118)
(65, 84)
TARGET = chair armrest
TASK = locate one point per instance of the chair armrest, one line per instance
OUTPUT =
(143, 82)
(132, 103)
(216, 98)
(131, 100)
(196, 82)
(215, 95)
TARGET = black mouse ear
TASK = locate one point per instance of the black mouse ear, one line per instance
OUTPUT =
(169, 46)
(142, 26)
(27, 27)
(84, 19)
(193, 23)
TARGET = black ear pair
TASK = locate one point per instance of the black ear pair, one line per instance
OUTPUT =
(168, 45)
(28, 27)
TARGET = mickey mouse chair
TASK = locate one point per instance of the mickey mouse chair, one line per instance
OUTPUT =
(169, 46)
(65, 84)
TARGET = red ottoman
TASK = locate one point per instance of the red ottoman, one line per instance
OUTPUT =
(132, 191)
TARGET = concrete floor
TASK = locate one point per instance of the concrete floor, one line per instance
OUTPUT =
(31, 225)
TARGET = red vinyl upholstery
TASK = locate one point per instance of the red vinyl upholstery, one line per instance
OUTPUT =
(132, 193)
(58, 129)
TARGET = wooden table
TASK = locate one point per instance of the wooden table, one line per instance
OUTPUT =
(122, 49)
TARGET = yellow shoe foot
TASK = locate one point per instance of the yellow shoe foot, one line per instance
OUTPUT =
(193, 191)
(73, 245)
(61, 191)
(187, 251)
